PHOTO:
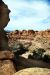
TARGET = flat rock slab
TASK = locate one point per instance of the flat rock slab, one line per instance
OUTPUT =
(6, 55)
(34, 71)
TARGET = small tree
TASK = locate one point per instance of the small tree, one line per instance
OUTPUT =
(37, 54)
(21, 50)
(30, 57)
(46, 58)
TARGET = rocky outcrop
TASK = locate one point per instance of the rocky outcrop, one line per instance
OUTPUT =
(7, 66)
(6, 57)
(30, 34)
(35, 39)
(4, 19)
(22, 34)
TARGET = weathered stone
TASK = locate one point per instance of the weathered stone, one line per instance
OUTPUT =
(33, 71)
(4, 19)
(6, 55)
(6, 67)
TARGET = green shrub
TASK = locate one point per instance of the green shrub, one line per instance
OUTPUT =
(39, 50)
(46, 58)
(30, 57)
(37, 54)
(21, 50)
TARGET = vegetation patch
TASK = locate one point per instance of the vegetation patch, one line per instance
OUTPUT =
(38, 54)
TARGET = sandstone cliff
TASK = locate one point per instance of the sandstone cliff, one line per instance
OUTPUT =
(31, 39)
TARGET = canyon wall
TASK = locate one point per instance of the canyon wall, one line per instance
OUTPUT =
(36, 39)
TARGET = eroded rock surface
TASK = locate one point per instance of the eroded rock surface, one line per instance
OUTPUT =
(6, 55)
(30, 39)
(6, 67)
(34, 71)
(4, 19)
(6, 64)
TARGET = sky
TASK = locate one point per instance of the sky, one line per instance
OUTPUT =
(28, 14)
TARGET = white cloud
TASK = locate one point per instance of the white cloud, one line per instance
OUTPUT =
(27, 15)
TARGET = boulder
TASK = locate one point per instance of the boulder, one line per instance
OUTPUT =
(6, 54)
(6, 67)
(33, 71)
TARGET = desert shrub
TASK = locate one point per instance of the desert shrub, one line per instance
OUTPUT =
(39, 50)
(37, 54)
(20, 50)
(46, 58)
(30, 57)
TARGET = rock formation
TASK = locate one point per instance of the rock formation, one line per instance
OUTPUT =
(6, 56)
(30, 34)
(4, 19)
(9, 62)
(35, 39)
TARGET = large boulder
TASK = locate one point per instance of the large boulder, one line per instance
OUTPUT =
(6, 67)
(33, 71)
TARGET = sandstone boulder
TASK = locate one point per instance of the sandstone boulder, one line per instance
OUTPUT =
(6, 67)
(34, 71)
(6, 55)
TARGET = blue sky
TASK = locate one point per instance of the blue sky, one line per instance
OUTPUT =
(28, 14)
